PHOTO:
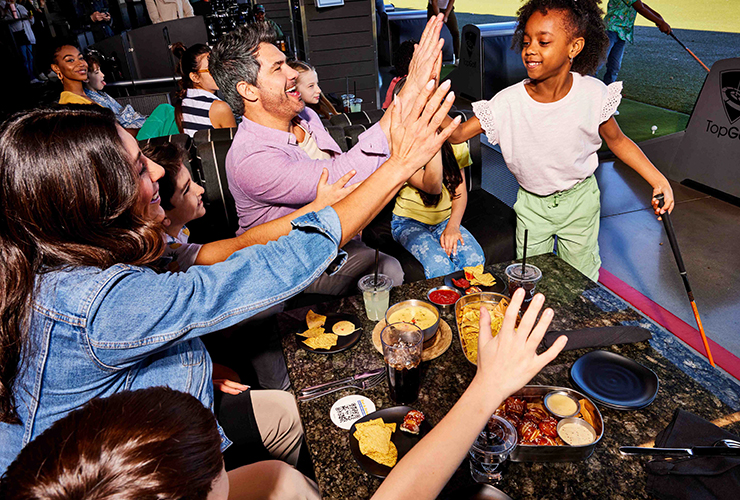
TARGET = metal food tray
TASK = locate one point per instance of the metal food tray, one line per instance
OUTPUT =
(490, 297)
(565, 453)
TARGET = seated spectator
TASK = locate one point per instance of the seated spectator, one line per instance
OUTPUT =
(149, 443)
(126, 116)
(429, 209)
(19, 21)
(282, 147)
(168, 10)
(85, 314)
(307, 84)
(71, 68)
(196, 104)
(401, 60)
(260, 17)
(158, 443)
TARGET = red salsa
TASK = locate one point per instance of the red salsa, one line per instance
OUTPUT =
(444, 297)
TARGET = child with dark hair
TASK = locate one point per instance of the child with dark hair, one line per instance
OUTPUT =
(401, 60)
(125, 115)
(550, 127)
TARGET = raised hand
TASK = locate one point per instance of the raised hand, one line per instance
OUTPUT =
(414, 137)
(509, 360)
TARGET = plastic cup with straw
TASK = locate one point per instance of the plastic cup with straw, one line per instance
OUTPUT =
(523, 275)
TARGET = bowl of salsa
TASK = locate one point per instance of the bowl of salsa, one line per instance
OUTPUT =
(444, 297)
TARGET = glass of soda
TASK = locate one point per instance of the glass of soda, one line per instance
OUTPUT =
(492, 447)
(526, 278)
(402, 347)
(376, 295)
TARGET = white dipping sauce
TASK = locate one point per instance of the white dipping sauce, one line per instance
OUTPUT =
(575, 434)
(561, 405)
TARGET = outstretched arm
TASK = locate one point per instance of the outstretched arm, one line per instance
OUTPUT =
(632, 155)
(467, 130)
(505, 363)
(648, 13)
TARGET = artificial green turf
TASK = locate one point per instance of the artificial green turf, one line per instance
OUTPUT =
(636, 119)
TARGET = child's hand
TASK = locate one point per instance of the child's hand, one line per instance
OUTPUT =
(449, 239)
(329, 194)
(667, 192)
(229, 386)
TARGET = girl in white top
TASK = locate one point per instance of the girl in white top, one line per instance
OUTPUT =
(550, 128)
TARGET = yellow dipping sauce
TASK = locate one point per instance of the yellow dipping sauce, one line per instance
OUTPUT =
(561, 405)
(575, 434)
(417, 315)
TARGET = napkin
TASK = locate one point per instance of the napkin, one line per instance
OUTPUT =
(598, 337)
(693, 478)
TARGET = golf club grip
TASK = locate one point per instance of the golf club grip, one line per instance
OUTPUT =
(668, 224)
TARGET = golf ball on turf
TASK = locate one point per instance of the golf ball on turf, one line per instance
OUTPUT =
(654, 128)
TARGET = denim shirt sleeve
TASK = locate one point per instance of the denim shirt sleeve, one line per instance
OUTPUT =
(136, 311)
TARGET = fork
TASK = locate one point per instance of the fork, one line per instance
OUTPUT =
(363, 385)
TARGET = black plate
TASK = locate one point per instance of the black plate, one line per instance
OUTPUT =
(343, 343)
(499, 287)
(614, 381)
(403, 440)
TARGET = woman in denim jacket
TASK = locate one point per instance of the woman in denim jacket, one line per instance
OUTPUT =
(81, 316)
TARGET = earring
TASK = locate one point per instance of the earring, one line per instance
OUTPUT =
(571, 60)
(59, 75)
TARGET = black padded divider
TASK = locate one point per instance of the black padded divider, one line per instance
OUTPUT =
(220, 221)
(214, 134)
(353, 133)
(338, 134)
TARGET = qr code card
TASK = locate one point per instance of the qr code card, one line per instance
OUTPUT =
(349, 409)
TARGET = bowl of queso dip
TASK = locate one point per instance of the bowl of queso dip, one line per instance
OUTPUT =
(417, 312)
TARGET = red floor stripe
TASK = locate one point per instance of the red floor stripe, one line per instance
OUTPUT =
(678, 327)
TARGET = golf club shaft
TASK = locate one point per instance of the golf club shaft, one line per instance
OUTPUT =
(668, 224)
(689, 51)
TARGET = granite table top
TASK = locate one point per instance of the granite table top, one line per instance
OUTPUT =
(686, 381)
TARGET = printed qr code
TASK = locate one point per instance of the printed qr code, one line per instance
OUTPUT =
(348, 413)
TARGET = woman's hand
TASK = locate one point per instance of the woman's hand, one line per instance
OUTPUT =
(450, 236)
(329, 194)
(509, 360)
(665, 189)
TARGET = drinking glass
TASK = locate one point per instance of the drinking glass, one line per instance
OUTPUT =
(376, 295)
(492, 447)
(527, 279)
(347, 102)
(356, 105)
(402, 348)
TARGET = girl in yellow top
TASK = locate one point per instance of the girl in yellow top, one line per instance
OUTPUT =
(428, 211)
(71, 68)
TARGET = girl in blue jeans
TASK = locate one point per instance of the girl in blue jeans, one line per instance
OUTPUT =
(428, 211)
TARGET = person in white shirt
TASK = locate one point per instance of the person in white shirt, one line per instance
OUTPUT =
(168, 10)
(550, 128)
(447, 8)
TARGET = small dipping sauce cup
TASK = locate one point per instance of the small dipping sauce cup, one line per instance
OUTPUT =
(444, 297)
(375, 295)
(402, 347)
(576, 432)
(561, 404)
(527, 279)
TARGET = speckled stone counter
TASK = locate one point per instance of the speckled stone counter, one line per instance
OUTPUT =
(686, 381)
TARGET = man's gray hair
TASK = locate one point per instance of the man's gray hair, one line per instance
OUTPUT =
(234, 60)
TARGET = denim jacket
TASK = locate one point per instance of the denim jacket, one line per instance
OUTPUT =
(94, 332)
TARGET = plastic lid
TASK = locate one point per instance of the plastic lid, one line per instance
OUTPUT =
(498, 436)
(530, 272)
(367, 283)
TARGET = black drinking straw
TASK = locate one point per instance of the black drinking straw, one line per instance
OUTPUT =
(524, 252)
(376, 268)
(354, 87)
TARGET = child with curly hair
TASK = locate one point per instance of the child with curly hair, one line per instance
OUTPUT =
(550, 127)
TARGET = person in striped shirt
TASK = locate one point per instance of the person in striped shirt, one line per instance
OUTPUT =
(196, 104)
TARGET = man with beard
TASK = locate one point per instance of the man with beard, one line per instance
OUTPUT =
(281, 147)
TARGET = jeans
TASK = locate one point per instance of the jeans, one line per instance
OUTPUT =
(27, 54)
(614, 57)
(423, 241)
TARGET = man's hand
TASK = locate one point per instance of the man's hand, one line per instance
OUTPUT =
(427, 61)
(509, 360)
(329, 194)
(98, 16)
(414, 137)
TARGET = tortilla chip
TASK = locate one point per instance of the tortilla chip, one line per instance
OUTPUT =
(323, 341)
(389, 459)
(343, 328)
(312, 332)
(374, 439)
(314, 320)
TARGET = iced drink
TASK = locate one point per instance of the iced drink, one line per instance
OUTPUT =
(527, 279)
(375, 295)
(492, 447)
(402, 348)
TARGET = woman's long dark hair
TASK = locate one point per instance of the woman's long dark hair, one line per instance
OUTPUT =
(451, 177)
(153, 443)
(69, 198)
(188, 63)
